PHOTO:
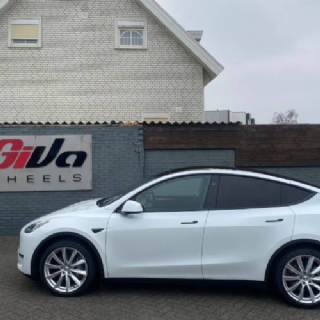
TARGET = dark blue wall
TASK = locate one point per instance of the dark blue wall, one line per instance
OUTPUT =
(118, 161)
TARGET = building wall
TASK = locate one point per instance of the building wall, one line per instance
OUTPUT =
(78, 75)
(227, 116)
(119, 160)
(306, 174)
(158, 161)
(117, 163)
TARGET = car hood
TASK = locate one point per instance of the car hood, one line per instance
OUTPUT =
(83, 206)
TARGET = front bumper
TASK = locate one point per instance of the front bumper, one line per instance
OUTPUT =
(28, 245)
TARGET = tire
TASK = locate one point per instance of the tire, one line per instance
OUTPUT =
(297, 277)
(67, 268)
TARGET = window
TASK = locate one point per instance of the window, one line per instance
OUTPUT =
(180, 194)
(131, 34)
(292, 195)
(236, 192)
(156, 120)
(156, 117)
(25, 33)
(131, 37)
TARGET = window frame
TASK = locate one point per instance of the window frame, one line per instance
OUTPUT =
(204, 207)
(212, 194)
(25, 45)
(214, 207)
(131, 24)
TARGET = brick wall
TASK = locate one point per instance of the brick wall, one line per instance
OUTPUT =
(158, 161)
(78, 75)
(307, 174)
(117, 162)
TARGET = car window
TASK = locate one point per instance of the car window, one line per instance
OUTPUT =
(110, 199)
(179, 194)
(238, 192)
(293, 195)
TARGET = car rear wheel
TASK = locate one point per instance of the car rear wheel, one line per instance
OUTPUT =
(298, 277)
(67, 268)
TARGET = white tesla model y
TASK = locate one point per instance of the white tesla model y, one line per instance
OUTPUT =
(207, 224)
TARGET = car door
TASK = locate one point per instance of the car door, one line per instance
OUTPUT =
(247, 225)
(165, 240)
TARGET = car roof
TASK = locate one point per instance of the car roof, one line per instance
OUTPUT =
(240, 172)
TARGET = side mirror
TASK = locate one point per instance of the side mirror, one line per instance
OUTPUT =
(132, 207)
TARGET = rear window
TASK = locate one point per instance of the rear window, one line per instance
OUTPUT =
(291, 195)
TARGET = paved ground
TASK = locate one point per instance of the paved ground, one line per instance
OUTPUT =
(24, 299)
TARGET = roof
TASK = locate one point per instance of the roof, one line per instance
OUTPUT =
(123, 123)
(241, 172)
(209, 63)
(212, 67)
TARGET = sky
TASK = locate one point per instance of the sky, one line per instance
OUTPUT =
(270, 50)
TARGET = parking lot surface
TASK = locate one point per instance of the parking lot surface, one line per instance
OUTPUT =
(22, 298)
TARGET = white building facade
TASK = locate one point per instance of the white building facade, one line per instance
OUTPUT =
(227, 116)
(99, 60)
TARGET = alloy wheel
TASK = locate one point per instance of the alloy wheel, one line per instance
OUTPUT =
(301, 279)
(65, 270)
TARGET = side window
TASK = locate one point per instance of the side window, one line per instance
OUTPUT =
(180, 194)
(291, 196)
(238, 192)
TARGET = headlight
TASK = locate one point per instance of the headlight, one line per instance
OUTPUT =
(35, 226)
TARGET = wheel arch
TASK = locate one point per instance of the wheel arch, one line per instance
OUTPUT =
(303, 243)
(35, 261)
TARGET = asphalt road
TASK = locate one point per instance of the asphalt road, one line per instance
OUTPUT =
(24, 299)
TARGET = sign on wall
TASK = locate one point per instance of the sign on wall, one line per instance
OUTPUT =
(45, 163)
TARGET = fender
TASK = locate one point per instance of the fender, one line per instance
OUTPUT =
(287, 246)
(62, 235)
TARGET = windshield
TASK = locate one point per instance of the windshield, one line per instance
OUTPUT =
(108, 200)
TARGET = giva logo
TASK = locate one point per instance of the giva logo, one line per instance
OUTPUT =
(20, 156)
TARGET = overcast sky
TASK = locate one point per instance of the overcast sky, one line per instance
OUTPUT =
(270, 50)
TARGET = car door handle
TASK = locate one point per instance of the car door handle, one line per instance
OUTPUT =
(274, 221)
(192, 222)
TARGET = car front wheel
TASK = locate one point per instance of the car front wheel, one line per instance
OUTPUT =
(298, 277)
(67, 268)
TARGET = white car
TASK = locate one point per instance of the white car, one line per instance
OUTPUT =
(208, 224)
